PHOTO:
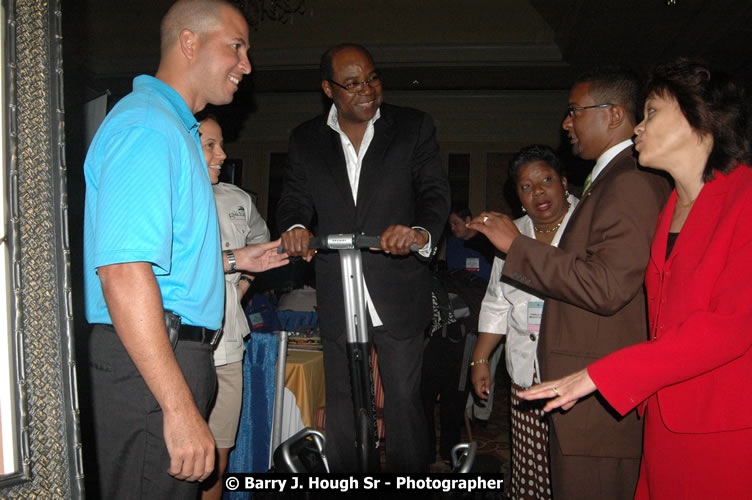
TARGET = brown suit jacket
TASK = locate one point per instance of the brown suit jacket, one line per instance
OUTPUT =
(595, 300)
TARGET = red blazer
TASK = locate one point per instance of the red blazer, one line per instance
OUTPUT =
(699, 362)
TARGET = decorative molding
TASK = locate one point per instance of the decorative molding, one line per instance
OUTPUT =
(47, 405)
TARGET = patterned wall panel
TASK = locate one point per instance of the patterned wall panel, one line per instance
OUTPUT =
(40, 255)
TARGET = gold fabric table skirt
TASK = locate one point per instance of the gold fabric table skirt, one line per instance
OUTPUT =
(304, 376)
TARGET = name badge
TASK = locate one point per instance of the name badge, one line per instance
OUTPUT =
(534, 315)
(472, 264)
(257, 321)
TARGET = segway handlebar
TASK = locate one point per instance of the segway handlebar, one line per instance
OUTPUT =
(346, 242)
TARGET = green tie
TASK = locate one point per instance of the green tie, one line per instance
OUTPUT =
(588, 182)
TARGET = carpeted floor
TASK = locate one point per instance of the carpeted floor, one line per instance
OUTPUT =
(492, 437)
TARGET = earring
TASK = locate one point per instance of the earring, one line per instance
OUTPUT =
(523, 209)
(566, 193)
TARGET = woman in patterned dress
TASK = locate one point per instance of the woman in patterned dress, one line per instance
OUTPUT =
(514, 313)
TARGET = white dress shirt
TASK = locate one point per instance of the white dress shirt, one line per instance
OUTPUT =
(607, 156)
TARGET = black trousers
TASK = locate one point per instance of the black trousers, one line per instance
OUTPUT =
(442, 366)
(400, 362)
(131, 453)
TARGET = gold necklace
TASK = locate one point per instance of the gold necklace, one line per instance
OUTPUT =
(546, 231)
(557, 226)
(682, 205)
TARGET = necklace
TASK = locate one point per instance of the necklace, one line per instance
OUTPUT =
(682, 205)
(557, 226)
(546, 231)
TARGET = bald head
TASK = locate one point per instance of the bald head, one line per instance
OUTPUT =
(198, 16)
(204, 51)
(325, 65)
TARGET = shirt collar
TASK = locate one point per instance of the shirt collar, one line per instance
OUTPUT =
(333, 122)
(607, 156)
(169, 94)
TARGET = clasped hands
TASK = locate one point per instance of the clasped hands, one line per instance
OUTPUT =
(396, 239)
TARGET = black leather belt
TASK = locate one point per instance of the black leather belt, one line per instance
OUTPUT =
(197, 334)
(189, 333)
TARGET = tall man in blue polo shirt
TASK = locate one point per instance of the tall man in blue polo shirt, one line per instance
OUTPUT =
(152, 257)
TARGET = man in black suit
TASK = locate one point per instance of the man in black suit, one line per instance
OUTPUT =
(368, 167)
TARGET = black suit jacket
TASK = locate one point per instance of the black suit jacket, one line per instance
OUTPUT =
(401, 182)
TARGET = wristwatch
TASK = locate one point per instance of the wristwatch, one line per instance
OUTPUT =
(231, 261)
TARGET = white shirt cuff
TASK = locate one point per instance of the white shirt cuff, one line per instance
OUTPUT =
(426, 250)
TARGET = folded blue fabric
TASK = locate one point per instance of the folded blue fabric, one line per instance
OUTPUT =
(251, 453)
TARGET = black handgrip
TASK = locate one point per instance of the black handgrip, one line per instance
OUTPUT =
(317, 243)
(363, 241)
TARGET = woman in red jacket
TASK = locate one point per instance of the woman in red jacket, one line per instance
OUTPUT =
(692, 378)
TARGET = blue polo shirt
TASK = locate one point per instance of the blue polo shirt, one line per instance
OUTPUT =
(149, 199)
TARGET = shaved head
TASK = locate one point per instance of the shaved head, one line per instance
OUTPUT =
(325, 66)
(198, 16)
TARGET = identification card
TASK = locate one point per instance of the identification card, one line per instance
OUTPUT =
(257, 321)
(534, 315)
(472, 264)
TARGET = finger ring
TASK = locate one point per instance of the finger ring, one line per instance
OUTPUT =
(556, 391)
(485, 218)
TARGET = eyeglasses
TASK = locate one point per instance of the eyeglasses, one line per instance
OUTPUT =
(577, 109)
(373, 81)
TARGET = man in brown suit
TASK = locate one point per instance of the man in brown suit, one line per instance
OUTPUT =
(593, 283)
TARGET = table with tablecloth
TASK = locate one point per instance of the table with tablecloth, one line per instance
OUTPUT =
(304, 378)
(303, 395)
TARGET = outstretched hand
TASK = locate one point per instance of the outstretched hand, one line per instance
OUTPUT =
(261, 257)
(565, 391)
(497, 227)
